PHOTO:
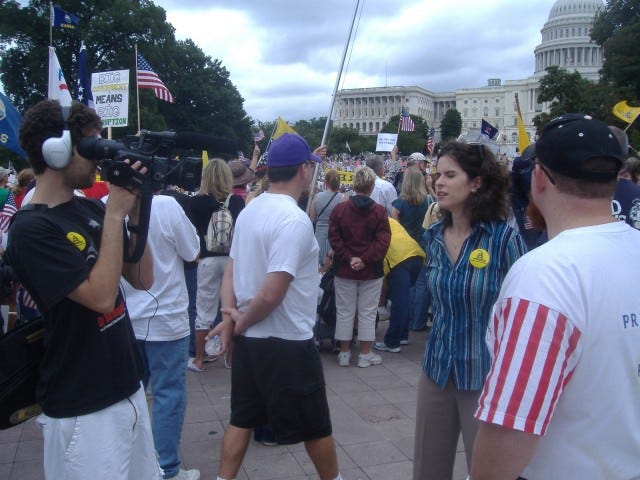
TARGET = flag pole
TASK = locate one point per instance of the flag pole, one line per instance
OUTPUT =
(50, 24)
(634, 119)
(312, 188)
(137, 89)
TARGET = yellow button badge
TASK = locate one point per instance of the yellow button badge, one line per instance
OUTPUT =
(77, 239)
(479, 258)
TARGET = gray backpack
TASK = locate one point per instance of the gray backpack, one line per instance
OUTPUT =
(220, 230)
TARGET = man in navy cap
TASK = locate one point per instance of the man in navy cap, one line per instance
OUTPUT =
(269, 299)
(561, 398)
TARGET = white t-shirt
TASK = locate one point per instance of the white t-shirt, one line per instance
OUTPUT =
(565, 341)
(161, 313)
(272, 234)
(384, 193)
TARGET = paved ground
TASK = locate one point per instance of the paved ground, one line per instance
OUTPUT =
(372, 411)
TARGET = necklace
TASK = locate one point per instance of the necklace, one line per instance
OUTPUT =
(453, 243)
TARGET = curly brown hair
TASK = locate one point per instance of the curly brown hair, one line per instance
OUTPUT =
(44, 120)
(490, 202)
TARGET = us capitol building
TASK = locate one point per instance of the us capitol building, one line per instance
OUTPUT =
(565, 43)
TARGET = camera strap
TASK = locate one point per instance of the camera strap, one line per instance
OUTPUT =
(146, 196)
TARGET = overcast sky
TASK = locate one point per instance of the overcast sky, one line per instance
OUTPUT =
(283, 55)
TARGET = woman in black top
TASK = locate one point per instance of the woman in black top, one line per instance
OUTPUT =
(215, 191)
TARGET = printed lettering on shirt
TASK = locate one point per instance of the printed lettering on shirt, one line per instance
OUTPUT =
(630, 320)
(108, 320)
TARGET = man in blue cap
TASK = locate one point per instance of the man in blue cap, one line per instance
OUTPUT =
(269, 299)
(561, 398)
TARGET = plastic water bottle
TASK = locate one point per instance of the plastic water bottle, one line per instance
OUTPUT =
(213, 345)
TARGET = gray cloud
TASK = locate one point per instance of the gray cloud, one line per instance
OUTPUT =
(430, 44)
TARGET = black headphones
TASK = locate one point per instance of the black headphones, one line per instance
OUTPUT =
(57, 151)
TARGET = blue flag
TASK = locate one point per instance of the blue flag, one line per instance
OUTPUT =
(488, 129)
(62, 19)
(84, 79)
(9, 124)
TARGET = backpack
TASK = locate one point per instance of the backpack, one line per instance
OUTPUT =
(220, 230)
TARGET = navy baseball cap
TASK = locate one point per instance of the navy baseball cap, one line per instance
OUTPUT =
(290, 149)
(568, 141)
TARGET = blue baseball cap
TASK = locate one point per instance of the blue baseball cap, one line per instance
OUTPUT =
(289, 149)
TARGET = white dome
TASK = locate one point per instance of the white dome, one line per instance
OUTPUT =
(566, 40)
(575, 7)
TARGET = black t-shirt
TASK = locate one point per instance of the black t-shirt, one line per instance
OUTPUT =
(90, 359)
(202, 207)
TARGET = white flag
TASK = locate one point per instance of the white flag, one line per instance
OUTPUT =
(58, 89)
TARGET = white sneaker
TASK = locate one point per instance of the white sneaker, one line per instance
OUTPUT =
(371, 358)
(383, 347)
(383, 314)
(193, 474)
(344, 358)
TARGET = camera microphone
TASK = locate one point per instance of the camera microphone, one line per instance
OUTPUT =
(196, 141)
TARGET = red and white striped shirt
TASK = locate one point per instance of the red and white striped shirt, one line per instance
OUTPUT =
(535, 350)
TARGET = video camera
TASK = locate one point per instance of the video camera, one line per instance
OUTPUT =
(155, 151)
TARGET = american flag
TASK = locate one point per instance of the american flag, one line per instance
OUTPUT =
(258, 136)
(406, 123)
(84, 79)
(147, 78)
(431, 141)
(7, 212)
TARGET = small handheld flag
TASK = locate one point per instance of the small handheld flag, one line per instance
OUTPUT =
(406, 122)
(258, 136)
(625, 112)
(431, 141)
(7, 212)
(488, 129)
(147, 78)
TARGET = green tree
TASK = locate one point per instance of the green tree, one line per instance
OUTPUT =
(451, 124)
(571, 92)
(617, 30)
(206, 100)
(409, 142)
(311, 130)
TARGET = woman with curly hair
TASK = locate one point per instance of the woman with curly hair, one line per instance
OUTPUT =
(469, 252)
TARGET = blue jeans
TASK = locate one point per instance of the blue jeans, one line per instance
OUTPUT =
(400, 279)
(421, 302)
(191, 278)
(165, 366)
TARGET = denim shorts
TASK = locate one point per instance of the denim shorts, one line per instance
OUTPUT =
(280, 383)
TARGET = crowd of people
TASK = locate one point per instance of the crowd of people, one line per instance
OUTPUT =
(531, 346)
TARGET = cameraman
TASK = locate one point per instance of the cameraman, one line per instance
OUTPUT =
(67, 251)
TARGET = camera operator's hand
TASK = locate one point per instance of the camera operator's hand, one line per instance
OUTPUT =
(123, 201)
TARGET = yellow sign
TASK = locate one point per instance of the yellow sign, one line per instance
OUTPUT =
(479, 258)
(77, 239)
(345, 177)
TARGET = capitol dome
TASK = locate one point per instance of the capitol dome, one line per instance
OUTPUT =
(566, 41)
